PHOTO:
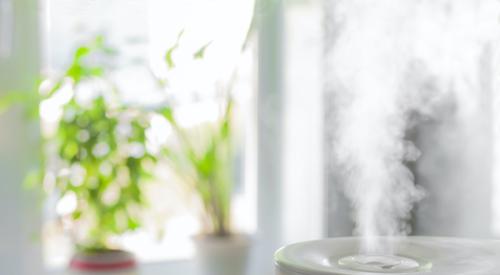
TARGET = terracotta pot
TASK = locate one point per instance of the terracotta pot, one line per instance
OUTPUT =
(105, 260)
(222, 255)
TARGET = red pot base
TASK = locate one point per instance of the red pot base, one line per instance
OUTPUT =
(103, 261)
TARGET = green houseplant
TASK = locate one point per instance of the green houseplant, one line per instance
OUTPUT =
(102, 143)
(203, 156)
(207, 167)
(95, 154)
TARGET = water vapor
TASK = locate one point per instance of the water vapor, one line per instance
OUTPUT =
(392, 62)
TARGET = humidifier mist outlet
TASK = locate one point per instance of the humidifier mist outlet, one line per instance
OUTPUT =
(412, 255)
(381, 263)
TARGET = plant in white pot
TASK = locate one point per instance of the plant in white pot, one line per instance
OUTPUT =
(204, 158)
(202, 153)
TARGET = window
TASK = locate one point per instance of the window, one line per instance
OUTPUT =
(147, 29)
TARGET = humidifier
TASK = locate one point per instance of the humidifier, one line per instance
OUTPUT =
(410, 255)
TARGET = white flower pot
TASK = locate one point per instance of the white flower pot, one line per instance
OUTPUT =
(222, 255)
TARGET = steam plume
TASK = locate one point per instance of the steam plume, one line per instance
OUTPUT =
(392, 61)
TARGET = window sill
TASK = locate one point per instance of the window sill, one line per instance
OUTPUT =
(185, 267)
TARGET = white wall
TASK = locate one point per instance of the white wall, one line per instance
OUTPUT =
(19, 227)
(303, 134)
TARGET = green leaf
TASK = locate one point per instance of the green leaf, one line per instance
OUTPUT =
(76, 215)
(96, 71)
(70, 150)
(133, 224)
(199, 54)
(168, 56)
(82, 51)
(168, 113)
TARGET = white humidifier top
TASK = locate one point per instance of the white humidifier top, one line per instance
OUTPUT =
(412, 255)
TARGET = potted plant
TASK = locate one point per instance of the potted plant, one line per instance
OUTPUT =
(203, 157)
(94, 156)
(102, 160)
